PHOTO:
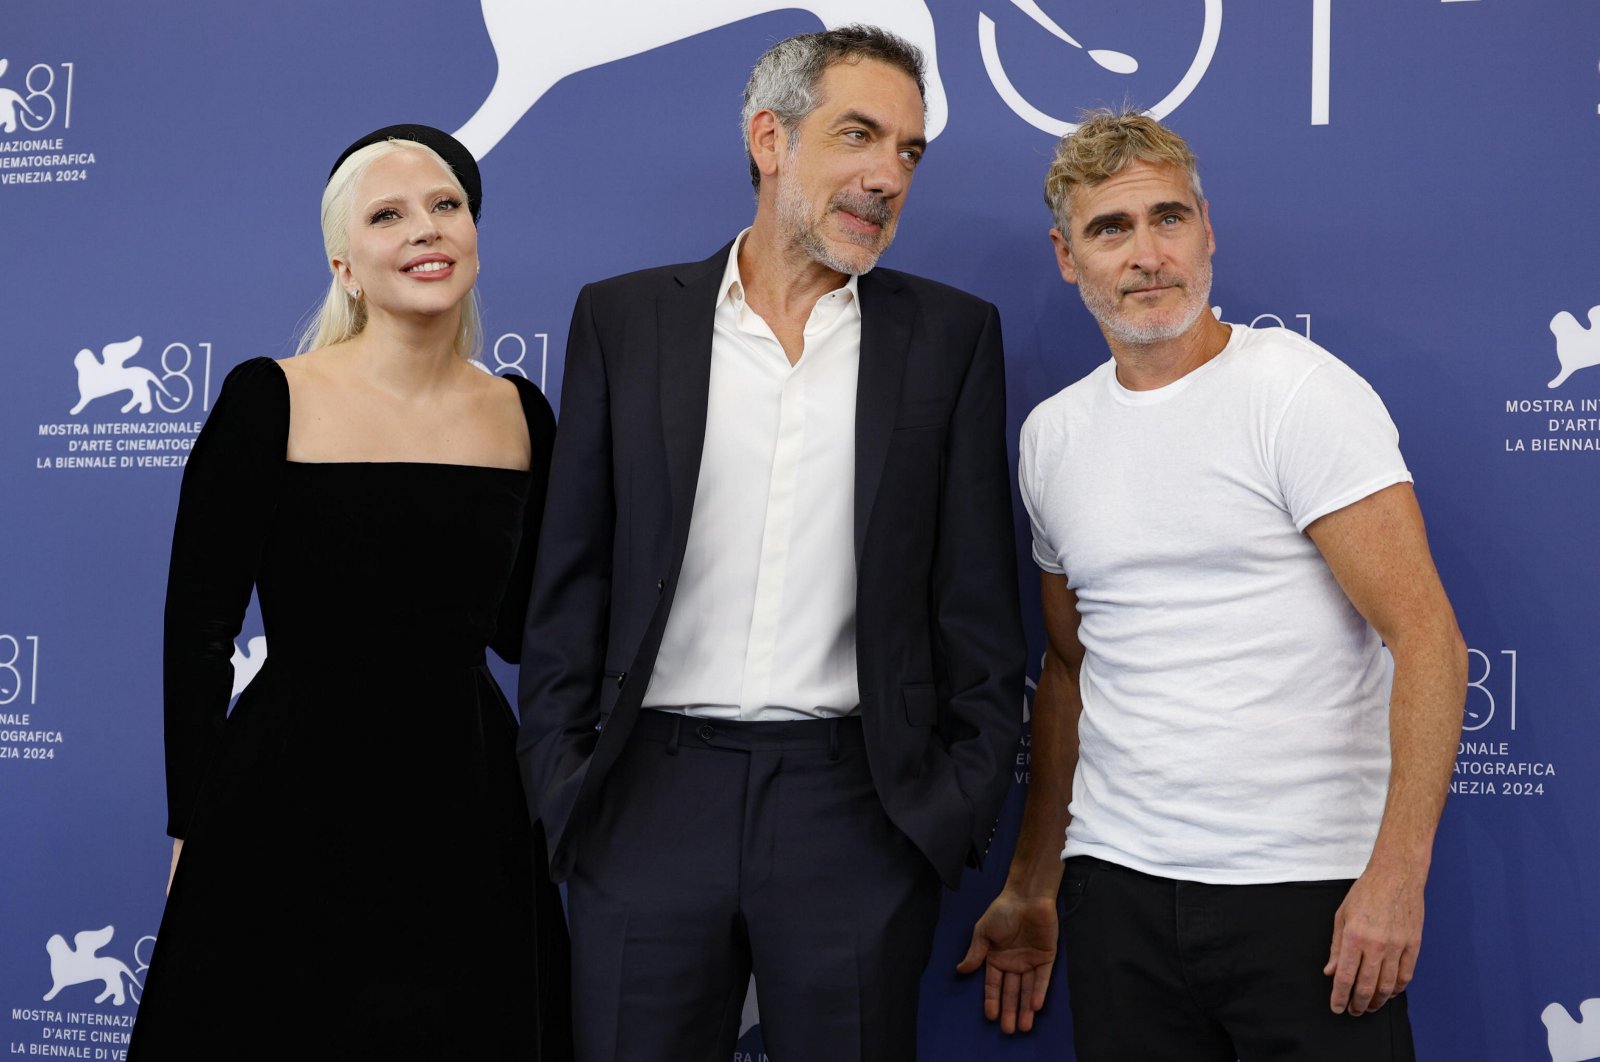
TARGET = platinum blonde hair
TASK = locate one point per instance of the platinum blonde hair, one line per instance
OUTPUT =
(1105, 144)
(340, 317)
(784, 80)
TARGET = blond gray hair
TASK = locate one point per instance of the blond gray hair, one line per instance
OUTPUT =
(1105, 143)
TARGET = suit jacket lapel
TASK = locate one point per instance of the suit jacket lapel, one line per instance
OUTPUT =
(886, 320)
(684, 322)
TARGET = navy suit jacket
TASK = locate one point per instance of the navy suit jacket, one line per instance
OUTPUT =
(939, 643)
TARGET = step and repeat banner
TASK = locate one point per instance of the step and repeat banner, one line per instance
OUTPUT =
(1414, 184)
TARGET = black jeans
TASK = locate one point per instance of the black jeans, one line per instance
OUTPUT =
(1160, 969)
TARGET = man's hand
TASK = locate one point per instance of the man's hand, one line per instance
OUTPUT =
(1377, 933)
(1017, 936)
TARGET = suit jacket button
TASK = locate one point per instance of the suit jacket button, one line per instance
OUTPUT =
(706, 731)
(661, 584)
(622, 680)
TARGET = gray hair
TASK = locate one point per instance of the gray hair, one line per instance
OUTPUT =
(784, 80)
(341, 317)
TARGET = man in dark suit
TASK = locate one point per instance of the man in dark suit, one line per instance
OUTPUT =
(773, 673)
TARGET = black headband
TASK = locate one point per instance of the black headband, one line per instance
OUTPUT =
(454, 153)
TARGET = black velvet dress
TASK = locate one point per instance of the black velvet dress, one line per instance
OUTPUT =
(359, 876)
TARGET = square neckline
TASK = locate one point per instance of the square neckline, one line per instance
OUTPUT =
(288, 413)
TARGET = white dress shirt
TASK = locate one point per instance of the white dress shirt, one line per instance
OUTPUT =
(763, 622)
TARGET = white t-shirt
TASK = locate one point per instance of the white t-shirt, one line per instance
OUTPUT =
(1235, 705)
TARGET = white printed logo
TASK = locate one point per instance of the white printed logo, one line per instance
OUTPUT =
(44, 100)
(1114, 61)
(98, 378)
(78, 964)
(12, 105)
(247, 661)
(1572, 1041)
(539, 44)
(1577, 347)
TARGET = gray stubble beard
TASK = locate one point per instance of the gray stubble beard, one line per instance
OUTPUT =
(792, 210)
(1113, 322)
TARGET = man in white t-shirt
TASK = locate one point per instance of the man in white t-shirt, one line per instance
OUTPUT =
(1248, 783)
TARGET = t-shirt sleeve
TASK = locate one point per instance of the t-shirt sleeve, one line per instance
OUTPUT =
(1334, 445)
(1045, 554)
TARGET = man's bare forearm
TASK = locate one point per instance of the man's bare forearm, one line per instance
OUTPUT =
(1430, 684)
(1036, 866)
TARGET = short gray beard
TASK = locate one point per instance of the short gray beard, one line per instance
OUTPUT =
(1146, 331)
(795, 222)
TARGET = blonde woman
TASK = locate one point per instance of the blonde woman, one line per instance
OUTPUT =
(354, 871)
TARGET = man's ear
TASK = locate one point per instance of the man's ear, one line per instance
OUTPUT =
(1069, 269)
(768, 142)
(1205, 216)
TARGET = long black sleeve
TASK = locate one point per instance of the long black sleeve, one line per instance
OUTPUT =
(507, 641)
(230, 489)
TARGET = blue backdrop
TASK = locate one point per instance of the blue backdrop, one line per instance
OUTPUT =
(1411, 182)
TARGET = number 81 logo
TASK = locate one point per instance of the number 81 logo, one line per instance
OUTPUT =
(1481, 703)
(49, 97)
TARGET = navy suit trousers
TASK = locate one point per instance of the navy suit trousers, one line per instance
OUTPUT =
(722, 849)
